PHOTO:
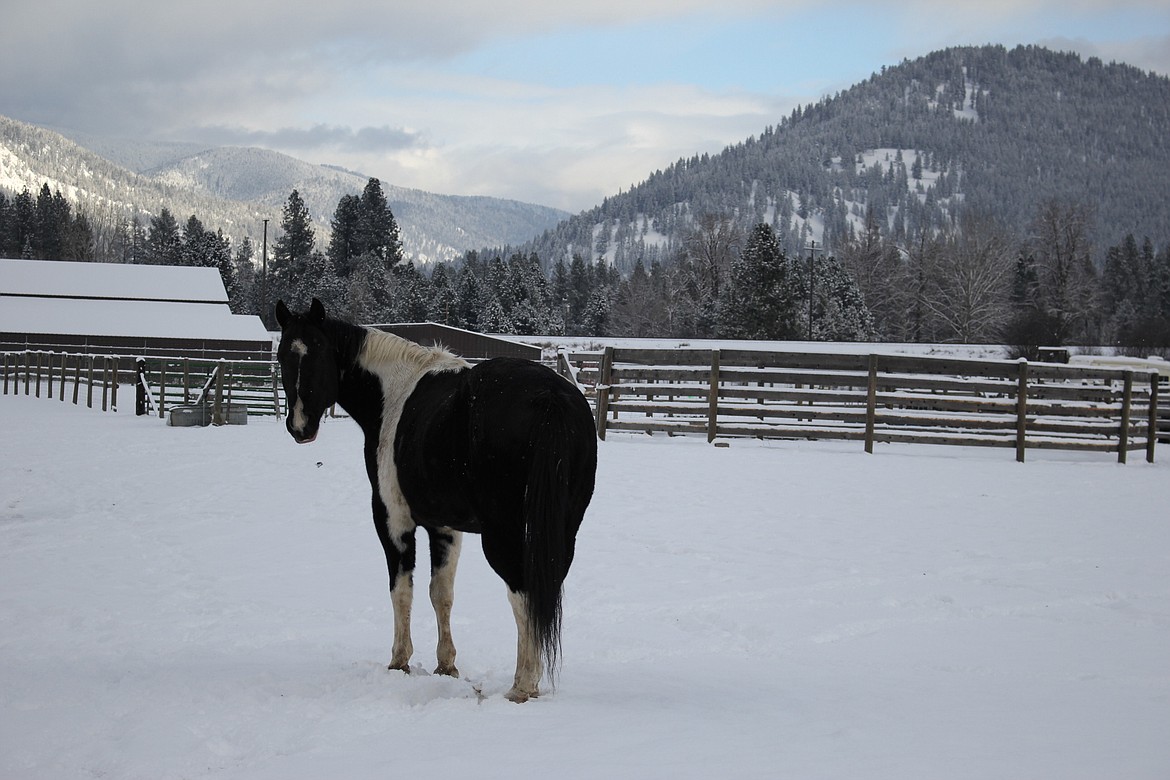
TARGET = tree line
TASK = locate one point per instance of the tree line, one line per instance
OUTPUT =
(974, 281)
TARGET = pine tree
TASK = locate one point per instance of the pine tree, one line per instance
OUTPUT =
(344, 247)
(760, 299)
(294, 246)
(377, 230)
(163, 241)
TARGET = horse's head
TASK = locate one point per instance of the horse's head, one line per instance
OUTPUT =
(308, 366)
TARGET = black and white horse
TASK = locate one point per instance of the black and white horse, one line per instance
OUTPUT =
(506, 449)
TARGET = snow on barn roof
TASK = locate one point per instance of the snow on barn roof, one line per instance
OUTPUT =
(60, 298)
(67, 279)
(128, 319)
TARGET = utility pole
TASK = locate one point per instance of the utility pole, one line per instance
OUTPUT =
(264, 274)
(812, 250)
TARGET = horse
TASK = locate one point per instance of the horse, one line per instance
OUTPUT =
(505, 448)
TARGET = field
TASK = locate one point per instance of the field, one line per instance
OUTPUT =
(199, 603)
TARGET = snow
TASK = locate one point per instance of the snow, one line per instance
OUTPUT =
(128, 319)
(211, 602)
(113, 299)
(111, 280)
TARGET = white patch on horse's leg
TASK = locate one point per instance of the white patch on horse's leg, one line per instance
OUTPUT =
(529, 666)
(401, 596)
(442, 599)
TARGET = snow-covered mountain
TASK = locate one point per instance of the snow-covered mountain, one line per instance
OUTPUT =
(235, 189)
(986, 130)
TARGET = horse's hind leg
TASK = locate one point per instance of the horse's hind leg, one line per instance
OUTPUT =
(529, 666)
(445, 547)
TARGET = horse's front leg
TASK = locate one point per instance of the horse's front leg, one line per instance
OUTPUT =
(445, 547)
(396, 532)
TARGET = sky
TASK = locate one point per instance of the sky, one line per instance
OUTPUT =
(561, 104)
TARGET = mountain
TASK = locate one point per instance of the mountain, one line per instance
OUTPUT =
(976, 129)
(235, 189)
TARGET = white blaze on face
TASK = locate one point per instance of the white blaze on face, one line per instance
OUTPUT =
(298, 411)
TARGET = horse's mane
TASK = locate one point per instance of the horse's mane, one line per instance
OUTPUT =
(384, 349)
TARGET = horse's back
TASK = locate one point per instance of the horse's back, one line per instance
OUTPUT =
(467, 442)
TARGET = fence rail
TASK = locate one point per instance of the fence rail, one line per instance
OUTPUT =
(162, 383)
(873, 398)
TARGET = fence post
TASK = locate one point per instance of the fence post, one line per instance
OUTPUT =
(871, 403)
(49, 376)
(64, 361)
(140, 387)
(38, 382)
(162, 388)
(1152, 430)
(275, 391)
(713, 398)
(105, 383)
(89, 384)
(186, 381)
(603, 391)
(1022, 410)
(27, 369)
(114, 386)
(5, 373)
(217, 410)
(1126, 402)
(76, 379)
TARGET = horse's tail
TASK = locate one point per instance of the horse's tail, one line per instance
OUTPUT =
(560, 484)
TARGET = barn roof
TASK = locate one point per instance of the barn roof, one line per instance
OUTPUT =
(112, 281)
(128, 319)
(125, 309)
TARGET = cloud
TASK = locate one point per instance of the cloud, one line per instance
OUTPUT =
(561, 103)
(363, 140)
(1149, 53)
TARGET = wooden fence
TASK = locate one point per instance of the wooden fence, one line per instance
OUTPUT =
(161, 384)
(872, 398)
(62, 376)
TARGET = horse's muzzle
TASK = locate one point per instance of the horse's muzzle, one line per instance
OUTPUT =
(301, 436)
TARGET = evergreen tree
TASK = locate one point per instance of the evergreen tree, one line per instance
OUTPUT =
(243, 297)
(443, 303)
(53, 220)
(293, 247)
(292, 251)
(760, 300)
(410, 296)
(377, 230)
(163, 240)
(344, 246)
(194, 245)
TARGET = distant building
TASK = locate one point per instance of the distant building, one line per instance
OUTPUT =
(465, 343)
(118, 309)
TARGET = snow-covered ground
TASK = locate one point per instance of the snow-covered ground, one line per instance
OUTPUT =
(211, 602)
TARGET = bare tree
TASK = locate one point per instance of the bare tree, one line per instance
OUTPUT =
(968, 289)
(710, 246)
(1065, 279)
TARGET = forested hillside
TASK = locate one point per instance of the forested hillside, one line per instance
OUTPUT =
(980, 130)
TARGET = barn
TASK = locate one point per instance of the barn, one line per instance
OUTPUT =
(119, 309)
(465, 343)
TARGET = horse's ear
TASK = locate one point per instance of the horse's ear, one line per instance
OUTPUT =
(282, 314)
(317, 310)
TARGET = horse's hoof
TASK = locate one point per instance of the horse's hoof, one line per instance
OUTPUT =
(520, 696)
(405, 667)
(447, 670)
